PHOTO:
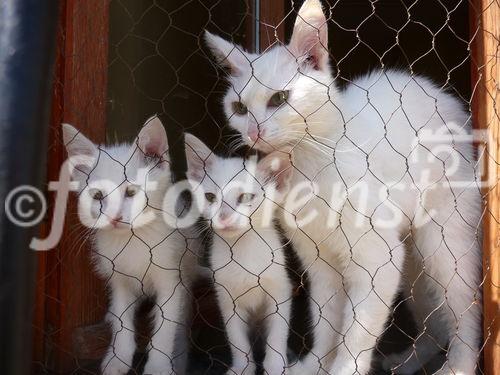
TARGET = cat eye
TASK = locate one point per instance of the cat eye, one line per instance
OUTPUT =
(240, 108)
(210, 197)
(131, 191)
(96, 194)
(279, 98)
(245, 198)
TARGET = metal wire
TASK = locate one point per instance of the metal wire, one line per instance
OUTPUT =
(159, 64)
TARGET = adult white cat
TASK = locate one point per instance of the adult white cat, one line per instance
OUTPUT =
(121, 194)
(247, 257)
(385, 187)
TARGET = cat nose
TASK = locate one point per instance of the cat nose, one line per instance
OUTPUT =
(253, 133)
(225, 219)
(115, 221)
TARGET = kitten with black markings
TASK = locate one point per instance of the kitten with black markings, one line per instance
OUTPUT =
(121, 190)
(246, 257)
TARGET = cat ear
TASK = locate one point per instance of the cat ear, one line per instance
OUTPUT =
(227, 54)
(76, 143)
(199, 157)
(276, 168)
(152, 139)
(82, 152)
(310, 35)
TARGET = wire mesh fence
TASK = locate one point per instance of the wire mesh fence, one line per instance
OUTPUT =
(292, 187)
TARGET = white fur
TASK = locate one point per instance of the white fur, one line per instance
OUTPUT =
(247, 257)
(139, 256)
(369, 143)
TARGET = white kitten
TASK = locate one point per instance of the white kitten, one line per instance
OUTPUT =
(246, 256)
(392, 190)
(121, 194)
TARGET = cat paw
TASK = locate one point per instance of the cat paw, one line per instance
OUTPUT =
(302, 368)
(446, 370)
(274, 365)
(276, 370)
(159, 372)
(114, 366)
(346, 367)
(293, 371)
(399, 364)
(158, 369)
(247, 370)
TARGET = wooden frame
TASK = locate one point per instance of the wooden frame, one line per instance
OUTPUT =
(485, 66)
(272, 20)
(79, 98)
(266, 18)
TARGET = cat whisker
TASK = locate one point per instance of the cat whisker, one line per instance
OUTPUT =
(235, 145)
(316, 146)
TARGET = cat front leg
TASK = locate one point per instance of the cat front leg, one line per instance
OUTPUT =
(237, 331)
(118, 358)
(372, 280)
(326, 301)
(241, 350)
(278, 325)
(168, 319)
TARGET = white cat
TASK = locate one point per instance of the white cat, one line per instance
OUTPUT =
(121, 193)
(386, 187)
(247, 257)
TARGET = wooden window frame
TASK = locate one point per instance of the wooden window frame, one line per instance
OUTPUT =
(485, 74)
(79, 97)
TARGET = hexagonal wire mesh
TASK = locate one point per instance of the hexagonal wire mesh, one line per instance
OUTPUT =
(369, 256)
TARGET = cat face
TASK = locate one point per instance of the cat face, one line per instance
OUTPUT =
(120, 187)
(232, 196)
(236, 190)
(276, 97)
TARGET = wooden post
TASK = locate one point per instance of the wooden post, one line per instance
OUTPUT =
(249, 42)
(485, 65)
(69, 296)
(272, 22)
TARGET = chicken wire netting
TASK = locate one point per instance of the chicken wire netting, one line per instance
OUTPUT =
(341, 316)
